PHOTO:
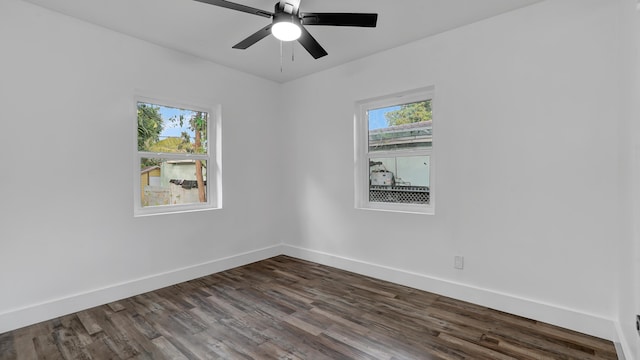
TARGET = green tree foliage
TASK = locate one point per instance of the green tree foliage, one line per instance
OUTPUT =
(197, 124)
(169, 145)
(409, 113)
(149, 125)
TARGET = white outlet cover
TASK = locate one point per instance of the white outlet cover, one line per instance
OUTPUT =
(458, 262)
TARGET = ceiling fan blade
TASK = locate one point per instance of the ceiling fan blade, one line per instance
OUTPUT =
(339, 19)
(254, 38)
(238, 7)
(311, 45)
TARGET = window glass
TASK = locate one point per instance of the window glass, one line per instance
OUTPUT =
(164, 129)
(394, 152)
(172, 182)
(399, 179)
(173, 154)
(398, 127)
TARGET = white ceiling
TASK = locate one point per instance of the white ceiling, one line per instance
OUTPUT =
(209, 31)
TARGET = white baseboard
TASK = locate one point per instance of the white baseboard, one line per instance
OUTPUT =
(567, 318)
(571, 319)
(35, 313)
(622, 344)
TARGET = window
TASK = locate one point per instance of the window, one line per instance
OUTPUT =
(394, 142)
(177, 165)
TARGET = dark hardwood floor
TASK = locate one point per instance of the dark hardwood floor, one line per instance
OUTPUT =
(284, 308)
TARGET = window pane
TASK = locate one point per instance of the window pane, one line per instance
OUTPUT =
(400, 127)
(163, 129)
(401, 179)
(172, 182)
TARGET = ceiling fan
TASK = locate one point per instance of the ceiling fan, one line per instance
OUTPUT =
(287, 23)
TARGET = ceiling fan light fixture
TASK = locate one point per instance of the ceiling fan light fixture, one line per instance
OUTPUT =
(286, 30)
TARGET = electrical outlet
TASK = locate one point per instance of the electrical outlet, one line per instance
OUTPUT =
(458, 262)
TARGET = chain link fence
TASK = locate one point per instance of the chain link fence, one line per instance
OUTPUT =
(399, 194)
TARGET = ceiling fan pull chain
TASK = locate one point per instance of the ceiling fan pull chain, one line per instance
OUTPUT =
(281, 56)
(292, 52)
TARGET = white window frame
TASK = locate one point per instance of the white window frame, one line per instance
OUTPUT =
(362, 154)
(213, 158)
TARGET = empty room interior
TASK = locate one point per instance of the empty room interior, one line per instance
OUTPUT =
(292, 175)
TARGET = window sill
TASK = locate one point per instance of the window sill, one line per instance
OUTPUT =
(162, 211)
(421, 210)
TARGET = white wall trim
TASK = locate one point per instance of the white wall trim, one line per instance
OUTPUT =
(622, 345)
(557, 315)
(34, 313)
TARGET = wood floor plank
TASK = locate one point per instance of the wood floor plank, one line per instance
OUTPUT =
(286, 308)
(294, 342)
(143, 326)
(303, 325)
(246, 329)
(345, 351)
(8, 346)
(23, 346)
(342, 320)
(117, 337)
(474, 350)
(116, 306)
(168, 349)
(273, 351)
(89, 322)
(100, 348)
(70, 345)
(46, 348)
(357, 341)
(516, 349)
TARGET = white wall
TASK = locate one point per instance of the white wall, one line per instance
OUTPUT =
(629, 144)
(66, 104)
(526, 165)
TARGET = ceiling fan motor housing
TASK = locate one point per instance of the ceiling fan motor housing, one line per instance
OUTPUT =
(288, 6)
(280, 15)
